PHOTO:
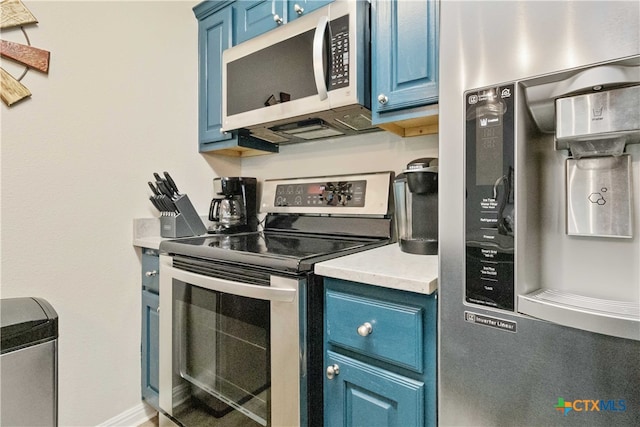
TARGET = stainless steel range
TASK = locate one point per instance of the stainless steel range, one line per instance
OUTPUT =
(241, 315)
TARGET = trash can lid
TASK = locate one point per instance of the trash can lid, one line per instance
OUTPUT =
(26, 321)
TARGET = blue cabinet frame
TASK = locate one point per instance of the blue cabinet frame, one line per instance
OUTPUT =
(150, 327)
(150, 348)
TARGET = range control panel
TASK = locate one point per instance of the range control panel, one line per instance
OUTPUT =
(352, 194)
(340, 193)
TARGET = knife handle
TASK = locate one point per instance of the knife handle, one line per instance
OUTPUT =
(164, 191)
(153, 188)
(172, 183)
(155, 203)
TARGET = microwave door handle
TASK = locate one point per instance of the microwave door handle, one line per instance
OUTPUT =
(318, 44)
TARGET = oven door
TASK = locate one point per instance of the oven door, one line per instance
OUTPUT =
(228, 352)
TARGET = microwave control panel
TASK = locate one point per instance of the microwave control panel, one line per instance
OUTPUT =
(339, 194)
(339, 53)
(490, 200)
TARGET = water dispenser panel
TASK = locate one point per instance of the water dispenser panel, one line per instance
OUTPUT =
(489, 203)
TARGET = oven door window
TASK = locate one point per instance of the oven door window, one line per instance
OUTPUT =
(221, 360)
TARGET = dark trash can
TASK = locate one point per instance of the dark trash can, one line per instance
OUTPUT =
(28, 363)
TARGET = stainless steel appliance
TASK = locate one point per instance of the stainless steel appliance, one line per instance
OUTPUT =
(538, 289)
(306, 80)
(241, 315)
(416, 201)
(237, 210)
(28, 362)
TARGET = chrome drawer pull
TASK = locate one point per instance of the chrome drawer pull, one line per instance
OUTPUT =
(365, 329)
(332, 371)
(151, 273)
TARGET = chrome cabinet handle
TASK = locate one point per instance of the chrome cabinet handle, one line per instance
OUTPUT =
(151, 273)
(277, 19)
(332, 371)
(365, 329)
(382, 99)
(299, 10)
(158, 310)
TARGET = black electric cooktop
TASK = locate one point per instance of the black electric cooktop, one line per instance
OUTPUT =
(278, 251)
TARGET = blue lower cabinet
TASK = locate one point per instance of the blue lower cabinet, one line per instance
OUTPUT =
(359, 394)
(150, 347)
(380, 356)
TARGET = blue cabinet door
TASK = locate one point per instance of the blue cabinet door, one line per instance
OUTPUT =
(214, 35)
(150, 347)
(404, 57)
(363, 395)
(298, 8)
(252, 18)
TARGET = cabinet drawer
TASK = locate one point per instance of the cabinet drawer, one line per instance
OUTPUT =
(150, 270)
(395, 333)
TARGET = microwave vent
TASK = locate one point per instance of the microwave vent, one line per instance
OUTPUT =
(308, 130)
(357, 122)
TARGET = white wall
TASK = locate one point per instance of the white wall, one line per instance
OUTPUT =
(378, 151)
(119, 103)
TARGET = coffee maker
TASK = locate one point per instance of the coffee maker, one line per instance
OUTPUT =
(236, 210)
(416, 202)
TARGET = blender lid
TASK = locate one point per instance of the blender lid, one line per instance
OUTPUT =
(423, 165)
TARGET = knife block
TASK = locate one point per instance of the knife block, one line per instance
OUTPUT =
(184, 223)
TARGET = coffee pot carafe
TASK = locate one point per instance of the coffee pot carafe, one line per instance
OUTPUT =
(416, 202)
(228, 211)
(236, 210)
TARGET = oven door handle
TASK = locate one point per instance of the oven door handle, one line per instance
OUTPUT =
(267, 293)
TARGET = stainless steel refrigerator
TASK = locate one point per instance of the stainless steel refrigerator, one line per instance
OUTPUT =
(539, 211)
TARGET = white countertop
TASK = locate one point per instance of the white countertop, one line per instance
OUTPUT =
(146, 233)
(386, 266)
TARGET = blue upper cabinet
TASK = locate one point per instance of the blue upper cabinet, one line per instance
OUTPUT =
(404, 40)
(253, 18)
(214, 35)
(216, 28)
(297, 8)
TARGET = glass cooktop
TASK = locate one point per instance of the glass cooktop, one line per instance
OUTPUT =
(291, 252)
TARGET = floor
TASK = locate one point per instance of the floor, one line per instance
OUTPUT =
(153, 422)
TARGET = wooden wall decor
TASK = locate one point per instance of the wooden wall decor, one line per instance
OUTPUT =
(15, 14)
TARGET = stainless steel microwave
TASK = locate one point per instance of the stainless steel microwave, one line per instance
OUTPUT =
(306, 80)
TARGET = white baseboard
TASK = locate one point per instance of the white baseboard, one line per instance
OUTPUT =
(131, 417)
